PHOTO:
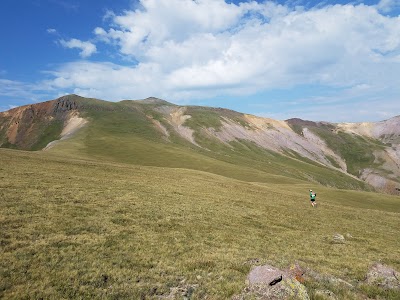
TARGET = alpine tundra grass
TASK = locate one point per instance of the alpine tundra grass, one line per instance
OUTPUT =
(78, 229)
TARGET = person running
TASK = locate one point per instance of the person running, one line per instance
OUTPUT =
(313, 195)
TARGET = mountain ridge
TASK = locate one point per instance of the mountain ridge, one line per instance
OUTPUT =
(369, 151)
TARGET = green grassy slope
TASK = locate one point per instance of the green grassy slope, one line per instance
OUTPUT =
(73, 228)
(123, 132)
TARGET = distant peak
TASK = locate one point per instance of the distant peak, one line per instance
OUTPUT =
(297, 121)
(69, 97)
(154, 100)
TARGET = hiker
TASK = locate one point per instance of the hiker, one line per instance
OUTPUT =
(312, 198)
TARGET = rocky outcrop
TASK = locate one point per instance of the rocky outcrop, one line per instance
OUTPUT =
(64, 104)
(25, 127)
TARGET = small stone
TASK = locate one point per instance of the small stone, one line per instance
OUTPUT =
(338, 238)
(348, 236)
(252, 261)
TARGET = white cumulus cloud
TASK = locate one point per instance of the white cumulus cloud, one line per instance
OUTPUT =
(190, 49)
(87, 48)
(183, 50)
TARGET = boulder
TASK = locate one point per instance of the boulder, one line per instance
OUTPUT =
(264, 274)
(268, 282)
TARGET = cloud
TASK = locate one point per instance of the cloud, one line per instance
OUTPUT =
(87, 48)
(51, 31)
(90, 79)
(159, 21)
(184, 50)
(20, 92)
(357, 103)
(387, 6)
(191, 49)
(354, 111)
(10, 88)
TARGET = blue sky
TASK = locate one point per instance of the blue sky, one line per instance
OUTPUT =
(336, 61)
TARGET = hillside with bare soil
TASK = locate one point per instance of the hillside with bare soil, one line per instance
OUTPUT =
(363, 151)
(32, 127)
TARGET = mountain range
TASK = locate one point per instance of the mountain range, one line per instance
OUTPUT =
(154, 132)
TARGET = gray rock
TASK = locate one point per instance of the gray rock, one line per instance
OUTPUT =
(383, 276)
(285, 284)
(263, 274)
(288, 288)
(338, 238)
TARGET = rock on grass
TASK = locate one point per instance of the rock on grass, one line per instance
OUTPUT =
(268, 282)
(383, 276)
(338, 239)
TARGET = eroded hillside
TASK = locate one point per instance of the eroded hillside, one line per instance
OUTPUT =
(142, 131)
(33, 127)
(370, 151)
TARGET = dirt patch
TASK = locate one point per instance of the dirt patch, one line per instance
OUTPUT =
(276, 136)
(177, 118)
(72, 125)
(374, 179)
(388, 161)
(263, 123)
(314, 139)
(160, 127)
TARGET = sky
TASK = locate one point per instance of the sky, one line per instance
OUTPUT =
(336, 60)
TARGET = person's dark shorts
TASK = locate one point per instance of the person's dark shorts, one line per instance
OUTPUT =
(312, 200)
